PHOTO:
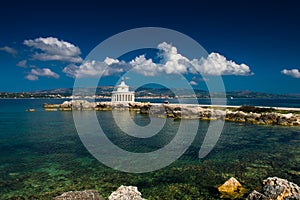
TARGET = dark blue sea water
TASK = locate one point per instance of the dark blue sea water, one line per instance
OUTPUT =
(41, 155)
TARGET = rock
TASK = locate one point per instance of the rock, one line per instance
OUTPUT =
(51, 105)
(126, 193)
(169, 110)
(136, 105)
(78, 105)
(145, 109)
(80, 195)
(232, 189)
(219, 114)
(103, 106)
(120, 106)
(277, 189)
(157, 110)
(256, 196)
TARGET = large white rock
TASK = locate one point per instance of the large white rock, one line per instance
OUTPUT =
(126, 193)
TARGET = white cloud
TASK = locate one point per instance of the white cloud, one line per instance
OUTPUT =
(32, 77)
(216, 65)
(22, 63)
(200, 79)
(193, 83)
(45, 72)
(71, 70)
(110, 61)
(293, 73)
(94, 68)
(53, 49)
(9, 50)
(172, 62)
(145, 66)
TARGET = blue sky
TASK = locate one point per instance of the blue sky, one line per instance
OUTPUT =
(44, 45)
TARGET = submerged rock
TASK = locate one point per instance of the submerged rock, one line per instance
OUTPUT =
(276, 189)
(80, 195)
(232, 189)
(126, 193)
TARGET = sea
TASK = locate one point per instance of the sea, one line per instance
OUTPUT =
(42, 154)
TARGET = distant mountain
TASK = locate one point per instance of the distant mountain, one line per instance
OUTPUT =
(146, 91)
(105, 91)
(250, 94)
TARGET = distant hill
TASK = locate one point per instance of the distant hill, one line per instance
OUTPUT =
(250, 94)
(105, 91)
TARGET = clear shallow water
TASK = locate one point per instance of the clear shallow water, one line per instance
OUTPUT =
(41, 156)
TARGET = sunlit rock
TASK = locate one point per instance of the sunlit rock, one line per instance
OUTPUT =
(232, 189)
(126, 193)
(80, 195)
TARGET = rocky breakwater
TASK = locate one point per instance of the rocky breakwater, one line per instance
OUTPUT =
(243, 114)
(269, 118)
(85, 106)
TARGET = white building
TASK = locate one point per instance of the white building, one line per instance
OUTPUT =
(122, 93)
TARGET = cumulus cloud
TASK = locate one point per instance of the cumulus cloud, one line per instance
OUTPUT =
(92, 68)
(53, 49)
(216, 65)
(22, 63)
(193, 83)
(293, 73)
(110, 61)
(145, 66)
(9, 50)
(44, 72)
(171, 62)
(200, 79)
(71, 70)
(32, 77)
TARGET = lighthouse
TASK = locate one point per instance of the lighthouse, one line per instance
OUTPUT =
(122, 93)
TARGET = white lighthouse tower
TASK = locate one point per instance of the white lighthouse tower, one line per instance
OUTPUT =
(122, 93)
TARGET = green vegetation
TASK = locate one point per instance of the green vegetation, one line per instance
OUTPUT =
(255, 109)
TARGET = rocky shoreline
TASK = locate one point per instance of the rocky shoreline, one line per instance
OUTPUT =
(240, 114)
(273, 188)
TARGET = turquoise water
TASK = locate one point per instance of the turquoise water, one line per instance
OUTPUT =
(41, 156)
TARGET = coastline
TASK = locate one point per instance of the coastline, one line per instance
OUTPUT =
(261, 115)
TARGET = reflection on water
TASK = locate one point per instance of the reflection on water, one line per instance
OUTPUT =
(42, 156)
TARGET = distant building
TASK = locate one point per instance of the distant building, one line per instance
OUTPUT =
(122, 93)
